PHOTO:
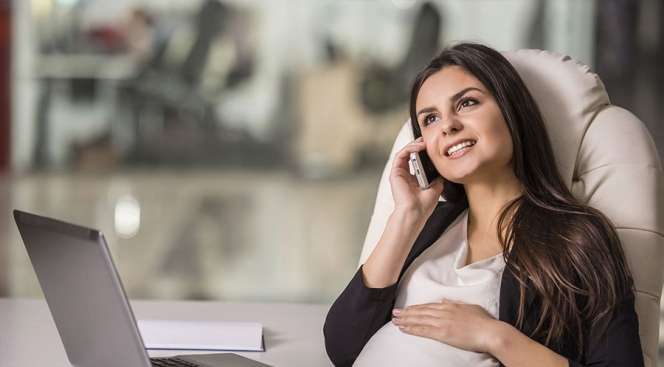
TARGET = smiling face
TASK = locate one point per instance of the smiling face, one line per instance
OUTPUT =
(454, 107)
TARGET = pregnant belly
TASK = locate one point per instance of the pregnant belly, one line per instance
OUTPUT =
(392, 347)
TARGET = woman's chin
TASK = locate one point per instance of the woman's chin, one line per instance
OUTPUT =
(457, 179)
(463, 175)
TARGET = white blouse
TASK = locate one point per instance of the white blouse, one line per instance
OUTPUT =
(439, 272)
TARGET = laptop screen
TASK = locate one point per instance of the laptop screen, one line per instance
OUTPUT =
(83, 292)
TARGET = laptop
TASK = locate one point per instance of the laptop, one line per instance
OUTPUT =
(88, 302)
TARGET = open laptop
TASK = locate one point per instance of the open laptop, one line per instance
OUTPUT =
(88, 302)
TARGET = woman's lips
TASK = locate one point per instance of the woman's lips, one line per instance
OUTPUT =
(461, 152)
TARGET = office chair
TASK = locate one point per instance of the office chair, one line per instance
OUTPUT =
(605, 155)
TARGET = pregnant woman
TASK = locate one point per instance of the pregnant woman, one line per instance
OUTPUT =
(523, 273)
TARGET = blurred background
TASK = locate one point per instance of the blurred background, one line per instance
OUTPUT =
(221, 144)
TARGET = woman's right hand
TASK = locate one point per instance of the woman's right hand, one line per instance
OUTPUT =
(412, 207)
(406, 192)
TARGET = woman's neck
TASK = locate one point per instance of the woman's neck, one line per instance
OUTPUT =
(486, 198)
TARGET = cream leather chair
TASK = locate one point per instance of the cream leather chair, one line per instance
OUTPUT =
(606, 157)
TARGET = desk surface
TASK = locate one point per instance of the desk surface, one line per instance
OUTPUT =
(293, 332)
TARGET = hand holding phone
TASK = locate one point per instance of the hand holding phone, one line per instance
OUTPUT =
(423, 169)
(406, 190)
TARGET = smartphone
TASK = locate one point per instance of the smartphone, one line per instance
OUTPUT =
(423, 169)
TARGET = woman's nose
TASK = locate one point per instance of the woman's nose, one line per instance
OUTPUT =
(451, 126)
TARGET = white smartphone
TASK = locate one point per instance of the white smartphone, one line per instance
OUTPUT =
(423, 169)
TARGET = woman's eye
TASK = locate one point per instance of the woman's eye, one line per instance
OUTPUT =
(467, 102)
(428, 119)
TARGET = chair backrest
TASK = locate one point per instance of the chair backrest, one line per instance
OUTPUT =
(605, 155)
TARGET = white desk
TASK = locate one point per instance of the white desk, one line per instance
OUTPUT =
(293, 333)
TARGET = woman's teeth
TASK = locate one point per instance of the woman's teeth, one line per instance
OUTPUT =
(460, 146)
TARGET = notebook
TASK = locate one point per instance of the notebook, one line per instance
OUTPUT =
(202, 335)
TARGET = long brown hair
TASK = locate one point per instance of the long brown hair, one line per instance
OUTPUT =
(568, 252)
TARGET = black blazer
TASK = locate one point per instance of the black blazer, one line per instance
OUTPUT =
(360, 311)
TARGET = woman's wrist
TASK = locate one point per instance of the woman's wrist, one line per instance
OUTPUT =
(413, 217)
(384, 264)
(500, 333)
(513, 348)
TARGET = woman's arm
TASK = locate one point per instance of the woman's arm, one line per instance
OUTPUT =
(470, 327)
(384, 265)
(354, 317)
(412, 207)
(514, 349)
(365, 305)
(619, 346)
(360, 311)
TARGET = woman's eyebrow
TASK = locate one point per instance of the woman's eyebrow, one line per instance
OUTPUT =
(428, 109)
(453, 99)
(460, 93)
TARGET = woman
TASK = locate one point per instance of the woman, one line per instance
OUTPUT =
(511, 270)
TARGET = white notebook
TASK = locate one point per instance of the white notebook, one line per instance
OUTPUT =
(202, 335)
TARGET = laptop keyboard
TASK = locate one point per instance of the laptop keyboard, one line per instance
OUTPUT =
(172, 362)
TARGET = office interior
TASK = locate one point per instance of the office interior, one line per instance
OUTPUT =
(231, 149)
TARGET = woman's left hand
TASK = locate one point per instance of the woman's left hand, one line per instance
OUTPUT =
(462, 325)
